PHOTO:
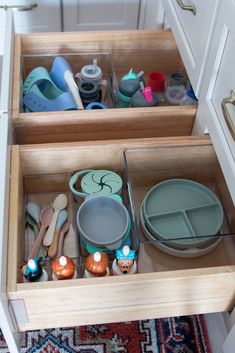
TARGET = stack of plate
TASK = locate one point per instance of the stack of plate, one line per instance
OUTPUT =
(182, 217)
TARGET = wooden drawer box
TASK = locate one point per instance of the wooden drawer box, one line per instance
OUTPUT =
(141, 50)
(189, 286)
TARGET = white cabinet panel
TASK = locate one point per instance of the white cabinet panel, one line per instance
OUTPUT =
(192, 32)
(46, 17)
(218, 81)
(86, 15)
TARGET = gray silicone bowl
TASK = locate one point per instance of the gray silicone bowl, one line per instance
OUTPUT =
(103, 221)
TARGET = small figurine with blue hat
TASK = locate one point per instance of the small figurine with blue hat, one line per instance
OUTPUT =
(125, 262)
(33, 271)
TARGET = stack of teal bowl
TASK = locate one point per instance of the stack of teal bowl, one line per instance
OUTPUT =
(182, 217)
(103, 224)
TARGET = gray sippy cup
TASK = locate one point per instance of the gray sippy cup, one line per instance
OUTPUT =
(128, 85)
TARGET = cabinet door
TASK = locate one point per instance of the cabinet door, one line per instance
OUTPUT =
(217, 103)
(6, 320)
(45, 17)
(192, 30)
(86, 15)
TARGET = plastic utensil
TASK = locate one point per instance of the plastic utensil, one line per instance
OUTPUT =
(45, 219)
(62, 218)
(59, 204)
(63, 232)
(61, 74)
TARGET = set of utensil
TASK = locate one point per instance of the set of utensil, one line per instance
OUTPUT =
(50, 225)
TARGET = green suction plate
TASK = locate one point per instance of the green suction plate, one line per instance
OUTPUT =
(180, 208)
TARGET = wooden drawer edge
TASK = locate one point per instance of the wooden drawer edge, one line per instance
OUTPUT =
(120, 123)
(146, 296)
(141, 312)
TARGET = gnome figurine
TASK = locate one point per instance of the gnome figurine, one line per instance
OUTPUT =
(125, 262)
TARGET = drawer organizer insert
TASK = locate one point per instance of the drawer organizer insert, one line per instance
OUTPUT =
(117, 53)
(198, 284)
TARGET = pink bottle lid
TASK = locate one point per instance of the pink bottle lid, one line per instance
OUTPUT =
(147, 92)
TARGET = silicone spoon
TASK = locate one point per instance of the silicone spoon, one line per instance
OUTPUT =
(61, 74)
(45, 219)
(63, 232)
(62, 218)
(35, 226)
(59, 204)
(34, 211)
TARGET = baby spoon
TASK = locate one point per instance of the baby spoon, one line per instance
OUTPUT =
(62, 218)
(34, 211)
(35, 226)
(45, 219)
(59, 204)
(63, 232)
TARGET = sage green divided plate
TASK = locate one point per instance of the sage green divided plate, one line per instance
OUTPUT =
(181, 208)
(170, 250)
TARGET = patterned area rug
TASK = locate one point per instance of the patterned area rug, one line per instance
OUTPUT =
(185, 334)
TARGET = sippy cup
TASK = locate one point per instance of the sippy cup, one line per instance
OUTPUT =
(92, 73)
(128, 85)
(144, 97)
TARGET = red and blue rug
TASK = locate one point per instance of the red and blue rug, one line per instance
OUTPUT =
(184, 334)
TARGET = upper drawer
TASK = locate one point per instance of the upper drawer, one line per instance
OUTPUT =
(192, 23)
(140, 50)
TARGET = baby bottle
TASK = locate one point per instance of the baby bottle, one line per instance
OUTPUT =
(96, 265)
(128, 85)
(33, 271)
(125, 262)
(63, 267)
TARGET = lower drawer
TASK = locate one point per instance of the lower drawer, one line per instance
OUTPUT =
(164, 286)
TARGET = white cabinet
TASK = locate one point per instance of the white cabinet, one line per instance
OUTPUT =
(216, 109)
(86, 15)
(32, 16)
(192, 22)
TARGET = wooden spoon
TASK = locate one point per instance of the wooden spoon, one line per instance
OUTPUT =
(62, 218)
(59, 204)
(45, 219)
(63, 231)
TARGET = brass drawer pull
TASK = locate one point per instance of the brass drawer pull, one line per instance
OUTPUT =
(19, 7)
(228, 119)
(191, 8)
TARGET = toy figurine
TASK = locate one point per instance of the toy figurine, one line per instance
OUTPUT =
(63, 267)
(96, 265)
(125, 262)
(33, 271)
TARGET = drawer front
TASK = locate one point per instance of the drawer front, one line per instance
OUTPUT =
(192, 24)
(217, 100)
(178, 287)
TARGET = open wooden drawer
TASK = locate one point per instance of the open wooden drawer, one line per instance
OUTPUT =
(167, 286)
(141, 50)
